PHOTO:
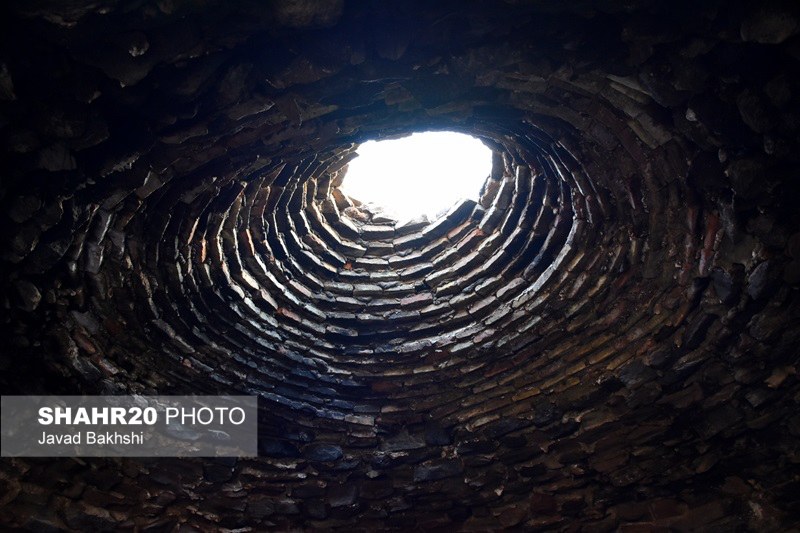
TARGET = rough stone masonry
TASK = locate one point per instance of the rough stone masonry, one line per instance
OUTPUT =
(606, 341)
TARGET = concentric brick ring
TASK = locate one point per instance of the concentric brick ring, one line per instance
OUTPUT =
(264, 282)
(241, 271)
(605, 340)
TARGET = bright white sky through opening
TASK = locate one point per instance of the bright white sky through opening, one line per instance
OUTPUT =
(423, 174)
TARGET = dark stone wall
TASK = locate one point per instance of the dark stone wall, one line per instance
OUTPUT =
(607, 340)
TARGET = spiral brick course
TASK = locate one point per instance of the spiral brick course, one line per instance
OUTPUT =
(605, 340)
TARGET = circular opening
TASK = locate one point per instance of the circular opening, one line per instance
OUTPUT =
(422, 174)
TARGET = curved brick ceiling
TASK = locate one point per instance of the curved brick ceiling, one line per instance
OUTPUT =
(605, 340)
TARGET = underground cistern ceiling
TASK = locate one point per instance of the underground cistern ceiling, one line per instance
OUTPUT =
(604, 340)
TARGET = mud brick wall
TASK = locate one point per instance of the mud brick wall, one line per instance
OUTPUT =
(606, 341)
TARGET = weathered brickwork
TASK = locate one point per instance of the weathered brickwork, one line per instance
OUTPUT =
(606, 340)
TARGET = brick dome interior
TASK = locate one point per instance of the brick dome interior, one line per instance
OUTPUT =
(605, 340)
